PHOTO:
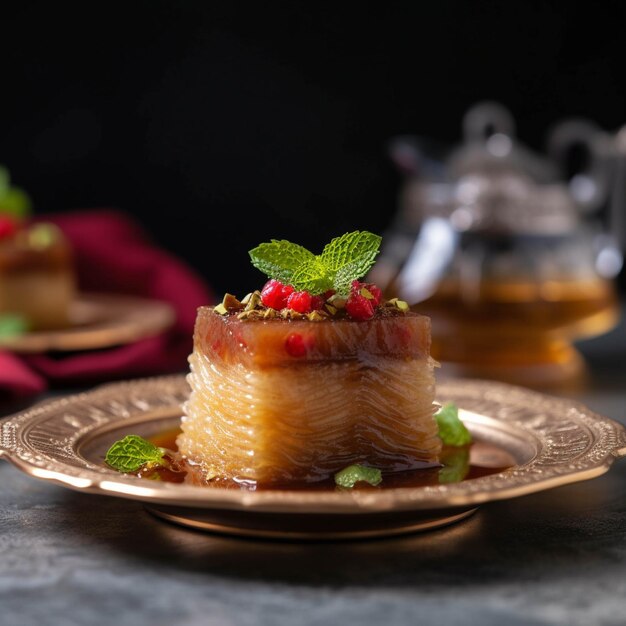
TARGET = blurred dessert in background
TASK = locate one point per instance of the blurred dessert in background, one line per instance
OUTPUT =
(37, 280)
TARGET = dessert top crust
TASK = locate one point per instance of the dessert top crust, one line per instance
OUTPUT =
(16, 257)
(275, 342)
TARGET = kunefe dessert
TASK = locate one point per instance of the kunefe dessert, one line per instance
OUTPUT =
(37, 281)
(314, 373)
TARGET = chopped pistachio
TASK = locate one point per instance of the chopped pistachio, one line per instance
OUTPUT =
(246, 298)
(42, 236)
(395, 303)
(231, 302)
(338, 301)
(220, 309)
(317, 316)
(249, 315)
(211, 473)
(291, 314)
(366, 293)
(331, 309)
(254, 301)
(269, 313)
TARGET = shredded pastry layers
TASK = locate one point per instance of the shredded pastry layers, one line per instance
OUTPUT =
(362, 392)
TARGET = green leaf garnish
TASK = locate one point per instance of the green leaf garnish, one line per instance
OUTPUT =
(312, 276)
(16, 202)
(280, 259)
(133, 452)
(12, 325)
(456, 463)
(351, 475)
(350, 257)
(343, 260)
(4, 181)
(451, 429)
(13, 200)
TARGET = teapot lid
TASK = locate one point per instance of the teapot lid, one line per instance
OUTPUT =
(490, 145)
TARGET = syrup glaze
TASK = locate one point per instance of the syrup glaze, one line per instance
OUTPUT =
(456, 465)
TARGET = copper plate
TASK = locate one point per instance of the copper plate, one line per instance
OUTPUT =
(98, 321)
(552, 441)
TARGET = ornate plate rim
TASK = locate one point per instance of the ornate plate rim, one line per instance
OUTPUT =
(571, 443)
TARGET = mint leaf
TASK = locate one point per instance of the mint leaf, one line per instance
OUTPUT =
(451, 429)
(312, 276)
(351, 475)
(350, 257)
(16, 202)
(133, 452)
(343, 260)
(456, 462)
(12, 325)
(280, 259)
(355, 247)
(4, 181)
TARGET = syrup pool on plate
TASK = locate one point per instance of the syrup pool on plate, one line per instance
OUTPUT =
(457, 464)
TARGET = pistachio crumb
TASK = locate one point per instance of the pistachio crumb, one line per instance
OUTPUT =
(220, 309)
(251, 314)
(337, 301)
(254, 301)
(317, 316)
(366, 293)
(231, 302)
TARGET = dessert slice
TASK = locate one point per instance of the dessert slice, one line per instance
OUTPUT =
(291, 385)
(37, 276)
(293, 400)
(37, 282)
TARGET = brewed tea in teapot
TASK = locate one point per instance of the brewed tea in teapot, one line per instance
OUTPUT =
(503, 261)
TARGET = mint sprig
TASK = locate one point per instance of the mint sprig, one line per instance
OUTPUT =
(13, 200)
(343, 260)
(132, 453)
(353, 474)
(456, 464)
(279, 259)
(452, 431)
(12, 325)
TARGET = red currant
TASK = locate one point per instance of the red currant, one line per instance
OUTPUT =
(274, 294)
(317, 302)
(8, 226)
(359, 307)
(300, 301)
(374, 290)
(297, 345)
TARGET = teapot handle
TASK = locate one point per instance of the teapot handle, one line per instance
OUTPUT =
(589, 185)
(617, 206)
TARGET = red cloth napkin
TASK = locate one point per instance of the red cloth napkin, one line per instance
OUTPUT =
(113, 254)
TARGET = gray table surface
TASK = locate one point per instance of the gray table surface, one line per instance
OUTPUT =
(558, 557)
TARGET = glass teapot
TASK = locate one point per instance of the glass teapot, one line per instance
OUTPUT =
(509, 259)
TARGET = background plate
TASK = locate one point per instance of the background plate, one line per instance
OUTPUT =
(98, 321)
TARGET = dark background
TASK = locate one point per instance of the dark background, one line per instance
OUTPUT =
(221, 125)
